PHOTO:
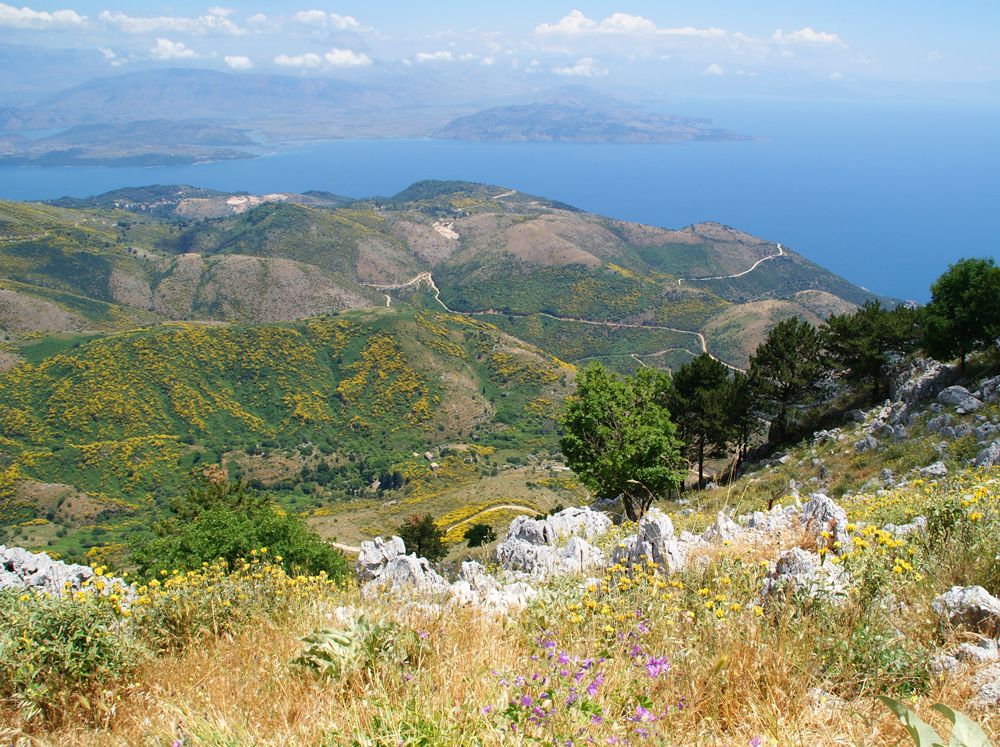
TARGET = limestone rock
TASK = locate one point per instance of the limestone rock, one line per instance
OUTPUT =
(970, 607)
(375, 555)
(407, 574)
(822, 514)
(723, 529)
(917, 526)
(868, 443)
(987, 684)
(969, 404)
(917, 380)
(989, 390)
(798, 572)
(21, 569)
(654, 541)
(954, 395)
(937, 469)
(989, 456)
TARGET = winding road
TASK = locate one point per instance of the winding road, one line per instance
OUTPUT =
(426, 277)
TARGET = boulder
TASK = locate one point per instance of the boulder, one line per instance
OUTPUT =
(917, 526)
(989, 390)
(868, 443)
(918, 380)
(822, 514)
(22, 569)
(723, 529)
(954, 395)
(799, 573)
(978, 652)
(989, 456)
(969, 404)
(970, 607)
(934, 425)
(987, 684)
(775, 521)
(406, 574)
(375, 555)
(937, 469)
(521, 556)
(986, 431)
(579, 522)
(579, 556)
(654, 541)
(477, 588)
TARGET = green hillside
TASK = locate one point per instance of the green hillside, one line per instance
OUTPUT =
(316, 410)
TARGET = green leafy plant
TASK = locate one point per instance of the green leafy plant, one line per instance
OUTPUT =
(362, 646)
(964, 731)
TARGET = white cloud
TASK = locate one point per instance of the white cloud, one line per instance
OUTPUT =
(323, 19)
(112, 57)
(238, 62)
(619, 24)
(171, 50)
(347, 58)
(807, 36)
(713, 69)
(210, 23)
(934, 56)
(439, 56)
(309, 59)
(836, 76)
(26, 18)
(487, 61)
(585, 67)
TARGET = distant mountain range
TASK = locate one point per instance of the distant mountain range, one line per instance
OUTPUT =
(157, 117)
(579, 115)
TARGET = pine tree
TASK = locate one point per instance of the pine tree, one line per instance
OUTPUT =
(698, 400)
(786, 370)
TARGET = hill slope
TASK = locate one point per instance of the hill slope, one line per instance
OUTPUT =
(182, 253)
(317, 410)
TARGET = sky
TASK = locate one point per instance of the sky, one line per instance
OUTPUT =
(832, 47)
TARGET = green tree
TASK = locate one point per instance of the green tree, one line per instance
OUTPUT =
(964, 311)
(229, 526)
(619, 437)
(743, 414)
(864, 342)
(786, 370)
(478, 535)
(423, 537)
(697, 400)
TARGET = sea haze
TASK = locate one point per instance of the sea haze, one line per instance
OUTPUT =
(884, 194)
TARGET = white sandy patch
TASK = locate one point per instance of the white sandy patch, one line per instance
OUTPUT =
(447, 230)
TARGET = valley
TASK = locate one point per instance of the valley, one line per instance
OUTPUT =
(324, 348)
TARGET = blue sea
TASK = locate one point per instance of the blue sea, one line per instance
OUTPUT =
(885, 194)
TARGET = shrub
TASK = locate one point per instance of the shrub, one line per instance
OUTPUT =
(176, 609)
(478, 535)
(423, 537)
(57, 654)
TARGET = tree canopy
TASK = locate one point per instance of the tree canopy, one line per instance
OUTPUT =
(864, 342)
(422, 536)
(699, 402)
(964, 311)
(786, 370)
(619, 437)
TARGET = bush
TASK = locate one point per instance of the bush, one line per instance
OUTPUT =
(423, 537)
(478, 535)
(177, 609)
(57, 654)
(229, 534)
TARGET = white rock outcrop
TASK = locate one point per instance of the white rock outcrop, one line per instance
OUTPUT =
(970, 607)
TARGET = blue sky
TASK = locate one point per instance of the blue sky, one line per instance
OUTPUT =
(726, 45)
